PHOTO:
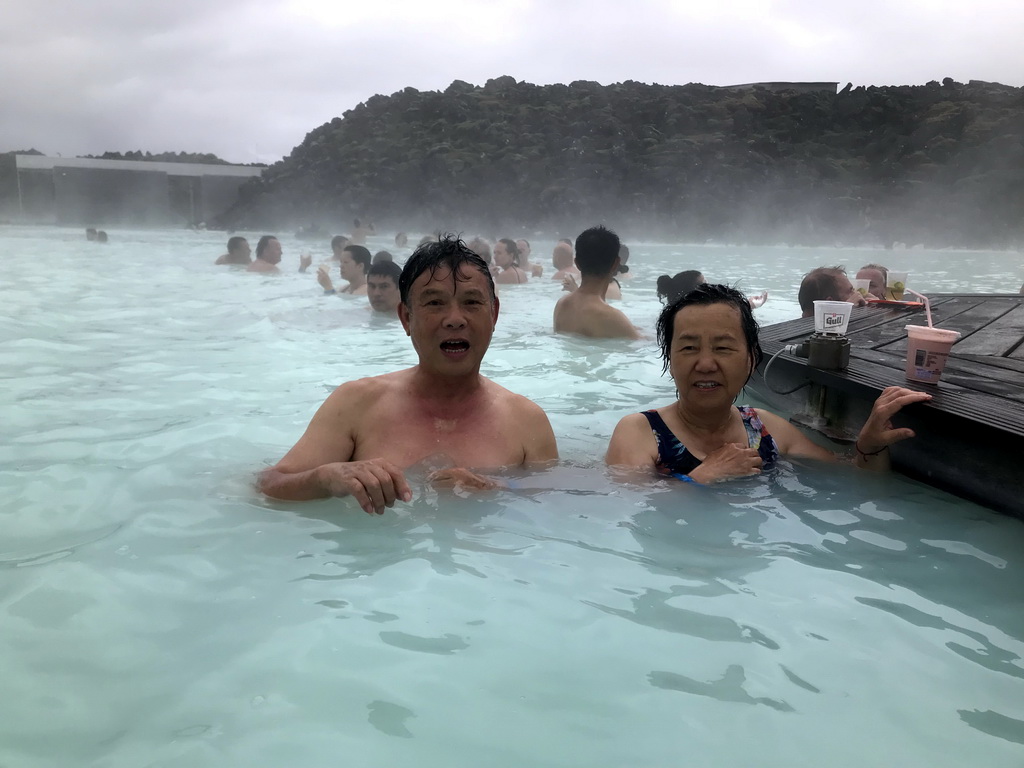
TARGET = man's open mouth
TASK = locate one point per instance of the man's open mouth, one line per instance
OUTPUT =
(454, 346)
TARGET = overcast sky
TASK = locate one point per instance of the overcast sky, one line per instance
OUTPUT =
(247, 79)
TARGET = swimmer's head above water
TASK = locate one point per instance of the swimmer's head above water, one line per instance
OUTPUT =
(706, 294)
(268, 249)
(597, 252)
(448, 253)
(382, 287)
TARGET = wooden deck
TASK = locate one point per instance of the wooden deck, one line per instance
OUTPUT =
(970, 435)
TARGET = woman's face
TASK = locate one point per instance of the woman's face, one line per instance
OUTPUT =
(501, 256)
(708, 358)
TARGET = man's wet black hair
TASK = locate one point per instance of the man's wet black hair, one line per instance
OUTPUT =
(360, 255)
(385, 269)
(703, 295)
(262, 244)
(234, 243)
(448, 252)
(597, 249)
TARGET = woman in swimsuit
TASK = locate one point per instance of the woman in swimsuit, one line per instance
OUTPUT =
(506, 256)
(709, 343)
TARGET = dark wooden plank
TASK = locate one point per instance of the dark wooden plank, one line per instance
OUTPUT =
(1005, 363)
(868, 379)
(1000, 336)
(967, 317)
(965, 374)
(862, 320)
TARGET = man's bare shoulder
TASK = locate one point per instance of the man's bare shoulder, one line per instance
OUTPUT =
(593, 317)
(515, 405)
(360, 394)
(523, 420)
(565, 303)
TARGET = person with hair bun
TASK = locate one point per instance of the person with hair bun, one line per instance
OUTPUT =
(506, 256)
(671, 288)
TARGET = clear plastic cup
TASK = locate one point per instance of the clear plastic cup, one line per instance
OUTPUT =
(832, 317)
(927, 352)
(861, 286)
(895, 284)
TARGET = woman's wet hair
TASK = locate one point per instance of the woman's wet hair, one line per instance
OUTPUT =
(707, 294)
(262, 244)
(671, 288)
(512, 249)
(448, 252)
(623, 258)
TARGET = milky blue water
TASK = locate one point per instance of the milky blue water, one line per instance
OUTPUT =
(156, 611)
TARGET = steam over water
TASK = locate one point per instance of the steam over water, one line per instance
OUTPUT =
(154, 610)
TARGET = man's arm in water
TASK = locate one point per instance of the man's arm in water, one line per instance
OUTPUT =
(320, 464)
(539, 443)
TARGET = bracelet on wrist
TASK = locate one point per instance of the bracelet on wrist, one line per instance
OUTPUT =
(329, 291)
(856, 447)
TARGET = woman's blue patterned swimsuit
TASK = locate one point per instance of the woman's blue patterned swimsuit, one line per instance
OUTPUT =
(674, 459)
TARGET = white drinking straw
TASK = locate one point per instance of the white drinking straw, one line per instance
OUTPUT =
(927, 305)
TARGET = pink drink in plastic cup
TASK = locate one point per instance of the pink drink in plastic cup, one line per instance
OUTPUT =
(927, 350)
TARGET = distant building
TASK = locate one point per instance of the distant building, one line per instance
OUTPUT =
(780, 87)
(92, 192)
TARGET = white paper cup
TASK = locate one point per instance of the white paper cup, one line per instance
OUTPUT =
(862, 286)
(927, 352)
(832, 317)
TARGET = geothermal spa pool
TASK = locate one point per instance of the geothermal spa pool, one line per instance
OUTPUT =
(156, 611)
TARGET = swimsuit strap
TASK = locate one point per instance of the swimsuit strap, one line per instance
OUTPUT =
(672, 454)
(674, 457)
(758, 436)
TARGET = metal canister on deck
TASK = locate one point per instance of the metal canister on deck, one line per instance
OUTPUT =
(828, 352)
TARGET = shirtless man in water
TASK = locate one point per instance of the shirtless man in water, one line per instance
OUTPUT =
(584, 311)
(268, 256)
(355, 263)
(370, 430)
(238, 252)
